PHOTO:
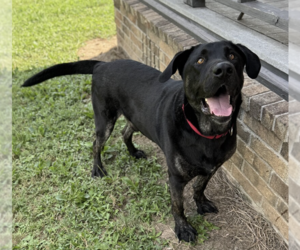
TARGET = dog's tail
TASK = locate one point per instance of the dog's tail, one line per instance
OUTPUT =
(80, 67)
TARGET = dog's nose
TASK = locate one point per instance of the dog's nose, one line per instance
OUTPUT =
(223, 69)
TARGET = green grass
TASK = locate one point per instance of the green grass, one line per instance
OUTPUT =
(5, 160)
(56, 204)
(46, 32)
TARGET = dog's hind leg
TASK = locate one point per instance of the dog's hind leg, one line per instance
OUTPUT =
(104, 122)
(127, 137)
(203, 204)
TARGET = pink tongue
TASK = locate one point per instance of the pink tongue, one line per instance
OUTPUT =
(220, 106)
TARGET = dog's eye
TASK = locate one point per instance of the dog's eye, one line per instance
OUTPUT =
(201, 60)
(231, 56)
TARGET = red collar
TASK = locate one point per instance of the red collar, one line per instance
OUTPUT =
(206, 136)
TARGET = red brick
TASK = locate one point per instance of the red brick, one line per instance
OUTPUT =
(270, 111)
(260, 184)
(283, 209)
(280, 187)
(137, 42)
(164, 58)
(125, 30)
(135, 11)
(281, 127)
(265, 134)
(256, 103)
(237, 159)
(255, 196)
(251, 91)
(137, 32)
(130, 2)
(228, 166)
(243, 131)
(155, 49)
(276, 162)
(118, 23)
(118, 15)
(137, 51)
(275, 218)
(245, 151)
(138, 7)
(166, 49)
(177, 36)
(141, 21)
(151, 16)
(157, 62)
(284, 152)
(117, 4)
(165, 30)
(162, 66)
(158, 23)
(248, 81)
(188, 43)
(153, 37)
(263, 169)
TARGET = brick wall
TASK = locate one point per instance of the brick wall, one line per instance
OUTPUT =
(259, 167)
(294, 176)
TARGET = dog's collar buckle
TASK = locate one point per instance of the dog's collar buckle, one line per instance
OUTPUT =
(230, 131)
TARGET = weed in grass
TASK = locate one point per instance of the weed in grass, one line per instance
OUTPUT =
(202, 226)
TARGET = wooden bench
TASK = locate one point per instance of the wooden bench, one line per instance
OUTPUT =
(262, 11)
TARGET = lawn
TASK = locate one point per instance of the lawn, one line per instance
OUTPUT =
(56, 204)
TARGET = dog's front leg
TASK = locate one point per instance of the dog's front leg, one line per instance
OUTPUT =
(203, 204)
(183, 229)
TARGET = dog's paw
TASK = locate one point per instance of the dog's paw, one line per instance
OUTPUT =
(186, 232)
(98, 172)
(139, 154)
(206, 207)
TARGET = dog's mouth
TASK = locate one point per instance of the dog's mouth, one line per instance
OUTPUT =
(220, 104)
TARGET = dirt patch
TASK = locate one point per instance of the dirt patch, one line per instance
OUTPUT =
(101, 49)
(241, 227)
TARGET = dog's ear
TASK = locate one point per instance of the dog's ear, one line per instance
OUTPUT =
(177, 62)
(252, 61)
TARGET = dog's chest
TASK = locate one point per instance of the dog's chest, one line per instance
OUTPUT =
(201, 162)
(189, 170)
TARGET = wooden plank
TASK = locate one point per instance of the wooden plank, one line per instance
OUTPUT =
(261, 11)
(283, 16)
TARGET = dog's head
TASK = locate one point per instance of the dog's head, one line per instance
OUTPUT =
(213, 79)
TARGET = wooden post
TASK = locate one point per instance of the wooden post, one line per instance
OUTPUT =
(240, 16)
(195, 3)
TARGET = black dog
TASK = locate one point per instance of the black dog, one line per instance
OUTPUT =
(193, 121)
